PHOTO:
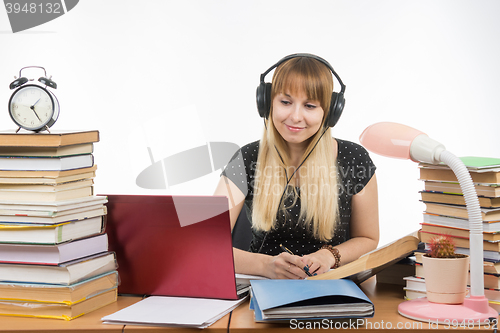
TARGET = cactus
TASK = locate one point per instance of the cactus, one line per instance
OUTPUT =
(442, 246)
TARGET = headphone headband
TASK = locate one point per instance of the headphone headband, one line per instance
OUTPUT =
(307, 55)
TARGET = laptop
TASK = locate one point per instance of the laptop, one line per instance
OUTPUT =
(172, 245)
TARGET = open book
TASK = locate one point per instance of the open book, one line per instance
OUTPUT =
(373, 262)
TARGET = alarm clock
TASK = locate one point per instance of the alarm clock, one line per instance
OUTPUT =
(32, 106)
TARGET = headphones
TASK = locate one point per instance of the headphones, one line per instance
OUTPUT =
(22, 80)
(263, 92)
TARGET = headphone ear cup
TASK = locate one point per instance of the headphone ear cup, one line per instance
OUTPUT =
(263, 96)
(336, 107)
(18, 82)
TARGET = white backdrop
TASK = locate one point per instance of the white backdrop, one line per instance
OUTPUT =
(173, 75)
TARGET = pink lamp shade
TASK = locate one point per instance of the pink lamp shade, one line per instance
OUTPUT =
(389, 139)
(401, 141)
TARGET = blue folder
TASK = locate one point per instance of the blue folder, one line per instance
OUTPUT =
(281, 294)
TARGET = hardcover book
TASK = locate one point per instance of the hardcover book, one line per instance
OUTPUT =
(63, 274)
(42, 139)
(373, 262)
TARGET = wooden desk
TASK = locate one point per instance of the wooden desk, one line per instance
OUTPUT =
(385, 298)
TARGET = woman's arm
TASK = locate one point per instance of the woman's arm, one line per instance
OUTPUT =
(236, 198)
(283, 266)
(364, 231)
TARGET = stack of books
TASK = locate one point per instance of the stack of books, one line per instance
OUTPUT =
(54, 259)
(446, 214)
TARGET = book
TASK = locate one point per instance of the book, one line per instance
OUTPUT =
(86, 206)
(457, 232)
(63, 163)
(64, 274)
(58, 310)
(47, 208)
(30, 196)
(487, 214)
(79, 149)
(473, 163)
(53, 254)
(48, 181)
(60, 217)
(46, 187)
(492, 267)
(184, 312)
(52, 293)
(487, 254)
(308, 299)
(491, 191)
(51, 234)
(43, 139)
(10, 176)
(419, 270)
(373, 262)
(413, 294)
(458, 223)
(460, 241)
(447, 175)
(457, 199)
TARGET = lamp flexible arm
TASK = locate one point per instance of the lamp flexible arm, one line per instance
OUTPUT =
(475, 221)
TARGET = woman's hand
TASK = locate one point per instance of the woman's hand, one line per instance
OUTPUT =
(286, 266)
(319, 262)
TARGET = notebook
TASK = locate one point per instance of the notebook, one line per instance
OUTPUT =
(308, 299)
(172, 245)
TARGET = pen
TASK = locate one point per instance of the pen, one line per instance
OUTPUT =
(306, 269)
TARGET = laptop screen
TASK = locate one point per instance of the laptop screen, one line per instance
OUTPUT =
(172, 245)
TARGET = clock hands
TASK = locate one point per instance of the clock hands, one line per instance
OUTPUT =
(33, 108)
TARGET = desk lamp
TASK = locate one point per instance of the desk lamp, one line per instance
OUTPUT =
(400, 141)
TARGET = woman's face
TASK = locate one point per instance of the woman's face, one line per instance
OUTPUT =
(296, 117)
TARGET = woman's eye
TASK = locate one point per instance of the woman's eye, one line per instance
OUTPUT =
(284, 102)
(310, 106)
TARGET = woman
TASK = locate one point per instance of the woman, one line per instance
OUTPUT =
(303, 189)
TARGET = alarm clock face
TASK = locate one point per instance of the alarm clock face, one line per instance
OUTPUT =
(33, 107)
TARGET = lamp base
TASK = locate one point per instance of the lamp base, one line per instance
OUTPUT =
(474, 311)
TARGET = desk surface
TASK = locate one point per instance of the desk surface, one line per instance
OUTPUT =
(385, 298)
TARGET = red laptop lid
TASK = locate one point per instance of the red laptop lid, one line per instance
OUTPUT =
(172, 245)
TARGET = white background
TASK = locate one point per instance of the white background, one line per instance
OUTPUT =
(173, 75)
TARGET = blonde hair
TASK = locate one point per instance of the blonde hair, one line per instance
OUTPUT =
(317, 175)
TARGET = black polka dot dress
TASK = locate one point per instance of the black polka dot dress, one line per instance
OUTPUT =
(354, 169)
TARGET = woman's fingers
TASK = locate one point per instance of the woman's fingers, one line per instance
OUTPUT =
(291, 265)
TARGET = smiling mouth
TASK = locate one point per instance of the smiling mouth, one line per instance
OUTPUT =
(294, 129)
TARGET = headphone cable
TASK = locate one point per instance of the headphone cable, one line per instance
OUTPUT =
(289, 179)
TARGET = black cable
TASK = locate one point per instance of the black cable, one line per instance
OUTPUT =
(289, 179)
(229, 321)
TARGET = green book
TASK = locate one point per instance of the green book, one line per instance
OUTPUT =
(477, 163)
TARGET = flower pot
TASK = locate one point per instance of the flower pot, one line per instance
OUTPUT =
(446, 279)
